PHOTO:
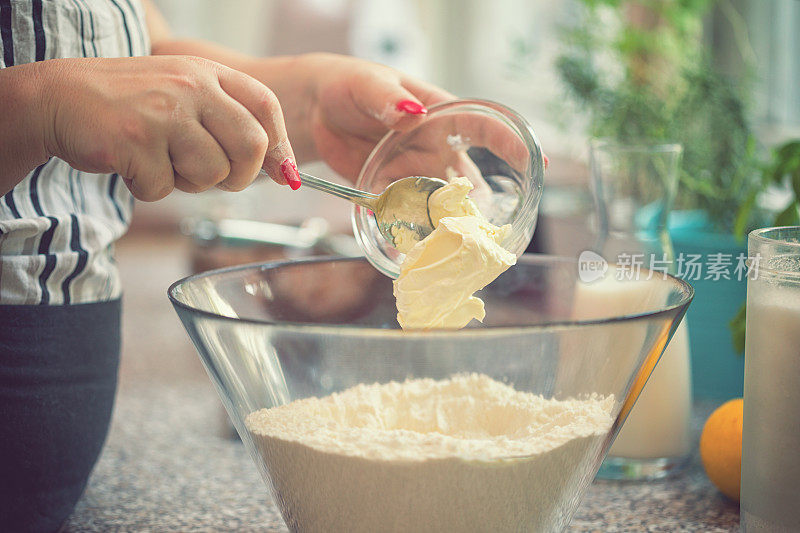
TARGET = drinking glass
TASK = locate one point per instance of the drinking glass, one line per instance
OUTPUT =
(634, 186)
(770, 495)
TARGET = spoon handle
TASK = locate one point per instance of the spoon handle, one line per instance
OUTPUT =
(342, 191)
(362, 198)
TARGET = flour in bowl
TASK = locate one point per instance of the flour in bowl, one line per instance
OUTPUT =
(462, 454)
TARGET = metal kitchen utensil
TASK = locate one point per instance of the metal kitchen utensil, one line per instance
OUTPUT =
(403, 205)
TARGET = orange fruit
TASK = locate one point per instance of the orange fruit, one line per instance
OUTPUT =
(721, 447)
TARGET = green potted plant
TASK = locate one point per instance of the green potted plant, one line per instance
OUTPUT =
(782, 172)
(638, 71)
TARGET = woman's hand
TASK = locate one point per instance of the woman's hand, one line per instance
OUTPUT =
(339, 107)
(353, 103)
(165, 122)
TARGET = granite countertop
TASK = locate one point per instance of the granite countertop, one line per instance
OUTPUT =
(169, 465)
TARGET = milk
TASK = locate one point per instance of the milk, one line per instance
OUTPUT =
(771, 441)
(658, 424)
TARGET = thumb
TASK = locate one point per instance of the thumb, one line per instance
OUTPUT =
(388, 102)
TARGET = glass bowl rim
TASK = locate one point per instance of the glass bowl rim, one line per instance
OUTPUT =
(360, 329)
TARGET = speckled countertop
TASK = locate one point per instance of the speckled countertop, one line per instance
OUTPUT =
(167, 465)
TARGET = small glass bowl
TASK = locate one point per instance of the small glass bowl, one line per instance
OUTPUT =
(485, 141)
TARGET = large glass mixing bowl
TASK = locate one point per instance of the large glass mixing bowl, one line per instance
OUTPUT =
(270, 334)
(488, 143)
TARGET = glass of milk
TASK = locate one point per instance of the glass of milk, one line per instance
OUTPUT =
(634, 186)
(770, 495)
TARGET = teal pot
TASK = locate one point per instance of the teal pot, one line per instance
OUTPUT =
(717, 369)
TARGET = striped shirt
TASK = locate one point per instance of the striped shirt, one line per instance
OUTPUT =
(58, 225)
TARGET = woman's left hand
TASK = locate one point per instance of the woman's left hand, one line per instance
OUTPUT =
(352, 103)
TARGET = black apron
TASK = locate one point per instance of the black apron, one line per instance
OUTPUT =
(58, 377)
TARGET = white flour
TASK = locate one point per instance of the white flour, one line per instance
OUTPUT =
(462, 454)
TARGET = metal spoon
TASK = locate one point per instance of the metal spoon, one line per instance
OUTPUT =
(402, 206)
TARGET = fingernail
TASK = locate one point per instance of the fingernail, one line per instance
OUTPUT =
(412, 107)
(290, 173)
(546, 162)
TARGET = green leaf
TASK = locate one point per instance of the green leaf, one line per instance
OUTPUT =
(698, 185)
(789, 216)
(780, 168)
(789, 150)
(579, 76)
(743, 216)
(738, 326)
(786, 160)
(796, 183)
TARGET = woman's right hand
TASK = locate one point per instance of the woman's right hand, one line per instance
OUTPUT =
(164, 122)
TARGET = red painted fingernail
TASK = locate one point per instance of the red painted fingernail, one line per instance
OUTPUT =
(290, 173)
(546, 162)
(412, 107)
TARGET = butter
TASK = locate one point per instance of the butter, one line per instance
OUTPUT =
(462, 255)
(404, 238)
(452, 201)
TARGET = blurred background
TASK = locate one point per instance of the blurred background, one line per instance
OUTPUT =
(504, 50)
(720, 77)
